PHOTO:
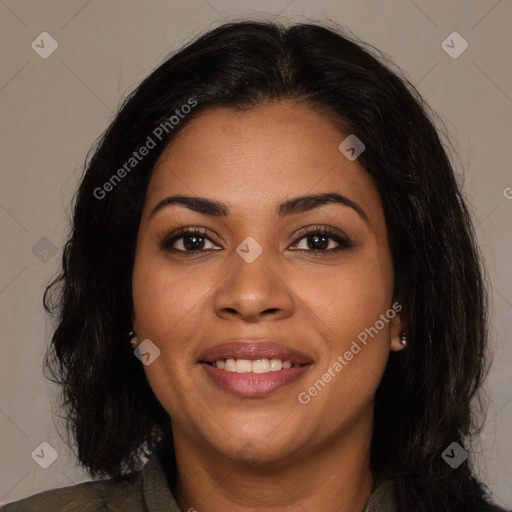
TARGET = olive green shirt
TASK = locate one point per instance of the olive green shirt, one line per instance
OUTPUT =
(147, 491)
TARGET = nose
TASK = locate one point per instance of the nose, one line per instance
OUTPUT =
(254, 292)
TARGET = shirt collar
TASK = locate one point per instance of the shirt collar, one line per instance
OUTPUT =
(382, 498)
(155, 485)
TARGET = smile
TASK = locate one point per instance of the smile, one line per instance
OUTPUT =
(253, 368)
(251, 384)
(263, 365)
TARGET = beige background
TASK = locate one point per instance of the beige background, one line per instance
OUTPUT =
(53, 110)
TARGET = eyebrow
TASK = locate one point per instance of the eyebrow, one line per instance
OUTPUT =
(291, 206)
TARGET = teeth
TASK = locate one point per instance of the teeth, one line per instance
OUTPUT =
(257, 366)
(275, 365)
(243, 366)
(260, 366)
(229, 366)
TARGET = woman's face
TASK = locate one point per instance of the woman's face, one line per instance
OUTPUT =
(261, 287)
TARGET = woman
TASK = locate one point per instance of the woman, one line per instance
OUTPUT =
(272, 227)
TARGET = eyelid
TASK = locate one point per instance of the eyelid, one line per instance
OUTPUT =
(166, 241)
(330, 232)
(326, 229)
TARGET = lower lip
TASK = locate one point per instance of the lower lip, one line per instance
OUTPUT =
(254, 384)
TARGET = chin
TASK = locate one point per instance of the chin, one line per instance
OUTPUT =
(259, 452)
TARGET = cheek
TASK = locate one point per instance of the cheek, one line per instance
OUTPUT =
(170, 304)
(168, 308)
(348, 304)
(350, 297)
(165, 301)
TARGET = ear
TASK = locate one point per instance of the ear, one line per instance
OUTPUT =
(397, 326)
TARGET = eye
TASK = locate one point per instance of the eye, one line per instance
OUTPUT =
(323, 240)
(319, 240)
(192, 240)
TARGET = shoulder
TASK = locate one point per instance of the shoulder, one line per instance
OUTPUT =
(490, 507)
(94, 496)
(383, 500)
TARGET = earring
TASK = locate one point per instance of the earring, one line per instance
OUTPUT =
(403, 339)
(133, 339)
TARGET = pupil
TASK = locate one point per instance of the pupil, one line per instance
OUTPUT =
(318, 240)
(196, 241)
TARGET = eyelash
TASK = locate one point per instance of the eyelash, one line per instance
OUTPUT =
(343, 243)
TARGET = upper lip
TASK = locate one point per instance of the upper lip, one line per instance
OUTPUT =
(253, 349)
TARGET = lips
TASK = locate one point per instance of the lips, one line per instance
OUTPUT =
(253, 350)
(253, 368)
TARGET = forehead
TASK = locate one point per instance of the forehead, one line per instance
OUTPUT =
(255, 158)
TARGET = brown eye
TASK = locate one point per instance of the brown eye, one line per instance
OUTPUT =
(187, 241)
(323, 240)
(319, 240)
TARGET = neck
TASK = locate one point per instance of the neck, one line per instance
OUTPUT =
(334, 477)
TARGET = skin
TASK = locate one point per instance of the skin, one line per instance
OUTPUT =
(271, 452)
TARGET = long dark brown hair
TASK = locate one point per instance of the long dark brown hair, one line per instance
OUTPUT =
(426, 398)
